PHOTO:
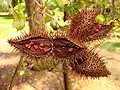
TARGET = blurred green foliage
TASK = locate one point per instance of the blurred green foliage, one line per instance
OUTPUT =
(55, 13)
(3, 6)
(18, 15)
(73, 7)
(5, 26)
(111, 46)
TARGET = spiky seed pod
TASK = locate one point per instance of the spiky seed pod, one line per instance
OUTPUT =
(84, 27)
(37, 45)
(45, 50)
(99, 32)
(40, 33)
(89, 64)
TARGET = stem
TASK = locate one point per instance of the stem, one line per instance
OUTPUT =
(13, 77)
(65, 77)
(113, 8)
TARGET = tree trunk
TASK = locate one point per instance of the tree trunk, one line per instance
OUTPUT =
(34, 15)
(29, 9)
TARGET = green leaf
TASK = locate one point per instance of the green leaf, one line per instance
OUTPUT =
(100, 18)
(62, 1)
(18, 20)
(74, 8)
(66, 7)
(19, 24)
(47, 19)
(77, 5)
(52, 4)
(58, 14)
(72, 11)
(20, 7)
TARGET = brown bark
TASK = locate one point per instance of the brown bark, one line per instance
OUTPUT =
(33, 14)
(29, 9)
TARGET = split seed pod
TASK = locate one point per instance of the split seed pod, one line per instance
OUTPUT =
(84, 27)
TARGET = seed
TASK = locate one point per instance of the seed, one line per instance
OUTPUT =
(31, 43)
(41, 48)
(36, 46)
(27, 45)
(97, 30)
(41, 44)
(46, 49)
(70, 49)
(99, 26)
